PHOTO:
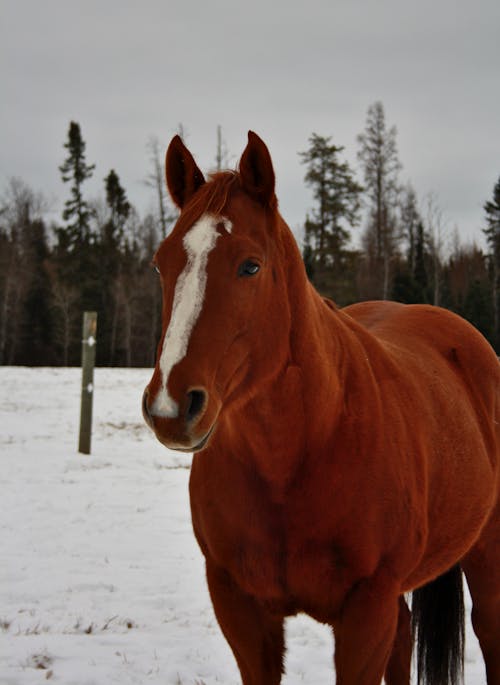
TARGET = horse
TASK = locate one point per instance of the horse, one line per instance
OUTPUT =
(342, 458)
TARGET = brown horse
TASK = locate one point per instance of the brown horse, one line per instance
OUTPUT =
(343, 457)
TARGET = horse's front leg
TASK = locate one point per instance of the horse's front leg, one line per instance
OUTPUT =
(398, 671)
(365, 631)
(253, 633)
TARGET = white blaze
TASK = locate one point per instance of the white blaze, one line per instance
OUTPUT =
(189, 295)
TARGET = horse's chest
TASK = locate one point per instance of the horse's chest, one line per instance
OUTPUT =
(289, 573)
(269, 551)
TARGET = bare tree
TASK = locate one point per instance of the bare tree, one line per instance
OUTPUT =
(64, 300)
(221, 155)
(156, 181)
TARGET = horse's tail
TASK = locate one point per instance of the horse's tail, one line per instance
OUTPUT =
(438, 622)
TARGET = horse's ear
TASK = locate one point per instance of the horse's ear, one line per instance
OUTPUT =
(256, 171)
(183, 176)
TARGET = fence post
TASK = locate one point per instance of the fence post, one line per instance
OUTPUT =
(88, 360)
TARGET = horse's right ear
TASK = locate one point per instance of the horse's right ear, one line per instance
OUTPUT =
(183, 176)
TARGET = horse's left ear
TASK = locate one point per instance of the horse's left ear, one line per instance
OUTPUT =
(183, 176)
(256, 171)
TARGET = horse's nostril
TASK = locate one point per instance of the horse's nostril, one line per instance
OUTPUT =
(195, 404)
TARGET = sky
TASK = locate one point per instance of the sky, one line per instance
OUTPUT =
(128, 72)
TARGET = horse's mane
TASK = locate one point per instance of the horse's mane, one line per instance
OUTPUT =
(213, 196)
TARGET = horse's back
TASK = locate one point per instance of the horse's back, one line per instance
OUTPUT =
(425, 341)
(421, 329)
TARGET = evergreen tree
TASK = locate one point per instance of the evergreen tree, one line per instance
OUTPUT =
(477, 307)
(327, 228)
(379, 157)
(410, 281)
(410, 219)
(117, 202)
(419, 266)
(110, 264)
(76, 170)
(25, 312)
(37, 322)
(492, 233)
(75, 273)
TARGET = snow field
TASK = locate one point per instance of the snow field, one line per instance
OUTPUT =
(101, 580)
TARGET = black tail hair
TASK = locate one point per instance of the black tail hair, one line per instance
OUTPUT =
(438, 623)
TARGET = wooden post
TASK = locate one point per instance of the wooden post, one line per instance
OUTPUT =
(88, 360)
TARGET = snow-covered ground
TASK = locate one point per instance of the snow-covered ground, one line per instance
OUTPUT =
(101, 580)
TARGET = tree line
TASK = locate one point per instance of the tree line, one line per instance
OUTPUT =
(405, 253)
(99, 256)
(97, 259)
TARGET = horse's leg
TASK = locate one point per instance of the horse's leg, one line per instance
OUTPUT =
(253, 633)
(399, 667)
(482, 570)
(365, 632)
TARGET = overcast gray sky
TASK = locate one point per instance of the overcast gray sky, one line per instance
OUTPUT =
(127, 71)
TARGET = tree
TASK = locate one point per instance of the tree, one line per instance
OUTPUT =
(478, 307)
(116, 199)
(25, 316)
(410, 219)
(327, 228)
(492, 233)
(156, 180)
(77, 171)
(109, 264)
(379, 157)
(437, 234)
(75, 273)
(420, 264)
(466, 284)
(410, 282)
(221, 152)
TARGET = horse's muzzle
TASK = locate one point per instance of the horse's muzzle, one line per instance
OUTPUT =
(187, 431)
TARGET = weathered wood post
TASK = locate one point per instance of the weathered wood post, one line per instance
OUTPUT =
(88, 361)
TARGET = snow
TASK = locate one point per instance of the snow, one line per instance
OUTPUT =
(101, 580)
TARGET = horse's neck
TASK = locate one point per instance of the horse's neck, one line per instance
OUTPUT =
(296, 411)
(320, 344)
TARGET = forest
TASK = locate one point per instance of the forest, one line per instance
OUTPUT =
(98, 256)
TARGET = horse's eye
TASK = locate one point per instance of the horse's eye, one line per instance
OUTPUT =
(248, 268)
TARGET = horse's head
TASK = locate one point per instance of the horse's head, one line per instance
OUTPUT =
(226, 318)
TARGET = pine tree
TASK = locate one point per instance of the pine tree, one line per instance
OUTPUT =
(116, 200)
(419, 270)
(25, 311)
(379, 156)
(477, 307)
(75, 279)
(327, 228)
(109, 265)
(492, 233)
(38, 325)
(77, 171)
(410, 218)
